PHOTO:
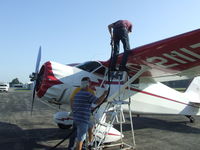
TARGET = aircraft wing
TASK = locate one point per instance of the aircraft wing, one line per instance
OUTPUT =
(174, 58)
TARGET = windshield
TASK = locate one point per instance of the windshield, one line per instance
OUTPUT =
(89, 66)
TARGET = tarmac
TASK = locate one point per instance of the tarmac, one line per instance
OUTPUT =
(19, 130)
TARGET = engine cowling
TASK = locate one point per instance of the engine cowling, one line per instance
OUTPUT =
(51, 85)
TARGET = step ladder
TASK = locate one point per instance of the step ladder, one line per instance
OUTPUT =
(115, 112)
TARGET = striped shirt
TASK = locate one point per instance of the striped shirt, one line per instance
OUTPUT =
(82, 106)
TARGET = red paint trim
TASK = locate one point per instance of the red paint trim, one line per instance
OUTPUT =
(99, 82)
(113, 134)
(147, 93)
(48, 81)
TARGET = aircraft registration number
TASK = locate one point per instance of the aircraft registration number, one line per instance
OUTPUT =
(178, 58)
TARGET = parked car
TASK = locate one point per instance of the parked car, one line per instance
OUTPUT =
(4, 87)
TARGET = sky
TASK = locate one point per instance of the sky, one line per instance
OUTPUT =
(75, 31)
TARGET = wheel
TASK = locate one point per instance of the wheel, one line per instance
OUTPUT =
(121, 146)
(62, 126)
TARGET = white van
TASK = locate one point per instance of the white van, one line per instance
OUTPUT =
(4, 87)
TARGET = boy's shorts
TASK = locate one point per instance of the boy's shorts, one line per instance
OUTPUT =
(82, 129)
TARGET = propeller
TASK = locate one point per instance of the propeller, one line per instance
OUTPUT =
(34, 76)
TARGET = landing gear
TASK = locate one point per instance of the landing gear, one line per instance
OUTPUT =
(192, 120)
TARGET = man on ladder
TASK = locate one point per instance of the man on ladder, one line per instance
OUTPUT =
(119, 31)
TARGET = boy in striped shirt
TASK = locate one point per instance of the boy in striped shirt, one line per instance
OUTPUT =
(82, 107)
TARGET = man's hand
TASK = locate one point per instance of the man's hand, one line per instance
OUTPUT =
(102, 97)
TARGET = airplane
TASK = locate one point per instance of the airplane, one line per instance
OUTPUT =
(174, 58)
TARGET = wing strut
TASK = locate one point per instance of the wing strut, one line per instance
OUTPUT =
(129, 81)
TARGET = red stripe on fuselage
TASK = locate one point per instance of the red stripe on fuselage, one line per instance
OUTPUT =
(164, 98)
(147, 93)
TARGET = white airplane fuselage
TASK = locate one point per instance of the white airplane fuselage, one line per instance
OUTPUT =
(147, 96)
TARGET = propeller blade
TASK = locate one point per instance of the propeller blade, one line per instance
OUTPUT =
(36, 74)
(38, 60)
(33, 97)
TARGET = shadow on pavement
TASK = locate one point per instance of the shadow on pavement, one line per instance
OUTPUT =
(145, 122)
(13, 137)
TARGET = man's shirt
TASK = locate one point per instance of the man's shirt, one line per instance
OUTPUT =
(82, 106)
(123, 23)
(77, 90)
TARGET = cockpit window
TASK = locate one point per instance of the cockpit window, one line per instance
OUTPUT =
(89, 66)
(98, 69)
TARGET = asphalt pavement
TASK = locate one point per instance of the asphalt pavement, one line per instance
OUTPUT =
(21, 131)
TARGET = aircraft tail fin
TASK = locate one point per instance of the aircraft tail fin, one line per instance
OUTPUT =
(193, 91)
